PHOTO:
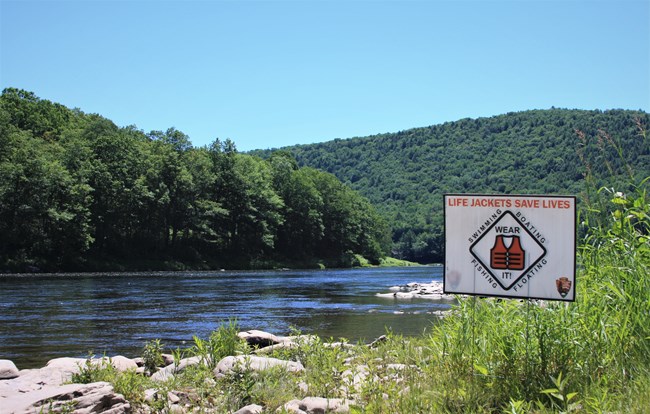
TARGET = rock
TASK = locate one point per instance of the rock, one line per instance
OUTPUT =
(122, 363)
(150, 394)
(275, 347)
(168, 359)
(8, 369)
(342, 345)
(432, 291)
(164, 374)
(177, 409)
(66, 365)
(354, 379)
(259, 339)
(254, 363)
(302, 339)
(97, 397)
(139, 361)
(250, 409)
(317, 405)
(173, 398)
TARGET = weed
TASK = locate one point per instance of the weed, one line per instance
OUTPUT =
(221, 343)
(152, 355)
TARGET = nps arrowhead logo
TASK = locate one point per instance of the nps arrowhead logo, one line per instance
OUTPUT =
(508, 250)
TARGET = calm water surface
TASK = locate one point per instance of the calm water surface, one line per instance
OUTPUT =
(48, 316)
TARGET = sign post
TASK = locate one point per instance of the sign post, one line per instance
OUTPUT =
(514, 246)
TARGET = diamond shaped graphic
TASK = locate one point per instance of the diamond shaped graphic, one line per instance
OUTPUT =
(508, 250)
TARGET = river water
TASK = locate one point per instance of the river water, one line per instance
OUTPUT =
(48, 316)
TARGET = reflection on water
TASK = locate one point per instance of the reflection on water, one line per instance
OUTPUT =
(47, 316)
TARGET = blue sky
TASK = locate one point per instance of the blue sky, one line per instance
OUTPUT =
(267, 74)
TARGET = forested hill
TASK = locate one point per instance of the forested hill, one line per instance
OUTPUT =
(405, 174)
(79, 193)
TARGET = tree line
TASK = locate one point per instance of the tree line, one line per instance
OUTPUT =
(78, 192)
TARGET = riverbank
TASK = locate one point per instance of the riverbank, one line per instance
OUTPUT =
(228, 372)
(253, 372)
(96, 265)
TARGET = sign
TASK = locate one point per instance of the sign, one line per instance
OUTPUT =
(510, 246)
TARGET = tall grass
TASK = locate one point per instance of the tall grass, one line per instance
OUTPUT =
(503, 352)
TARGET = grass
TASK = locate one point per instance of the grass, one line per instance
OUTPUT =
(487, 356)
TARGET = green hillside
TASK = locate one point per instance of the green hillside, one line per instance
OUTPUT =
(405, 174)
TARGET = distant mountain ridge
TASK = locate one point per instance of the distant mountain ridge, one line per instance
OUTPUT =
(405, 174)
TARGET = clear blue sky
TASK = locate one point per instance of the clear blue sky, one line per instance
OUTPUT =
(274, 73)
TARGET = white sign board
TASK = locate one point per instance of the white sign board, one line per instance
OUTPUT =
(510, 246)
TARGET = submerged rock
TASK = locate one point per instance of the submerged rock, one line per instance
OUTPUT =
(433, 291)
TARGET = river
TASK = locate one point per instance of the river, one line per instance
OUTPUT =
(48, 316)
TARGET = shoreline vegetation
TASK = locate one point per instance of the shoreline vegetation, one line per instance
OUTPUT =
(348, 261)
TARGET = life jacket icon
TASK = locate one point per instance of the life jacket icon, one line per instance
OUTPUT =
(507, 258)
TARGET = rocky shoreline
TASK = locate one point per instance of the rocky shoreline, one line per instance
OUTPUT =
(51, 389)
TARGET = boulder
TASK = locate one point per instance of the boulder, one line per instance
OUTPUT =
(342, 345)
(317, 405)
(168, 372)
(269, 349)
(122, 363)
(168, 359)
(173, 398)
(97, 397)
(66, 365)
(8, 369)
(254, 363)
(259, 339)
(250, 409)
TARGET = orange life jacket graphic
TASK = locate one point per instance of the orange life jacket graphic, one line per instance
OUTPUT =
(502, 257)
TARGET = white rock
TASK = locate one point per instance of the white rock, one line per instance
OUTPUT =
(8, 369)
(173, 398)
(314, 405)
(122, 363)
(259, 338)
(271, 348)
(254, 363)
(168, 372)
(250, 409)
(97, 397)
(168, 359)
(177, 409)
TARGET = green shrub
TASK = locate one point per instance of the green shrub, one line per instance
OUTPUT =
(221, 343)
(152, 355)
